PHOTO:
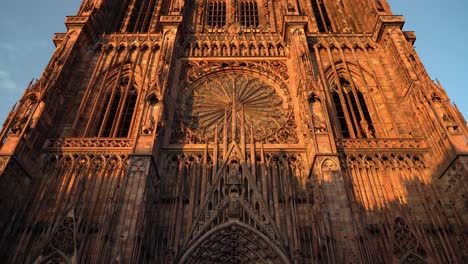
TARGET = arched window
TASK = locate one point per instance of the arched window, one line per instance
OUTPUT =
(117, 111)
(216, 13)
(248, 13)
(352, 112)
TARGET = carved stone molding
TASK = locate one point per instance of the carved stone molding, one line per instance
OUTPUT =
(76, 22)
(276, 71)
(386, 160)
(171, 19)
(231, 42)
(386, 21)
(382, 144)
(342, 41)
(88, 144)
(117, 40)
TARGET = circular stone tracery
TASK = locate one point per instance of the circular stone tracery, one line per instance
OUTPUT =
(216, 100)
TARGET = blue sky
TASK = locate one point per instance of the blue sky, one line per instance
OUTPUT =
(27, 27)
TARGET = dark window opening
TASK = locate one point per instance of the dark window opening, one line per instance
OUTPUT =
(121, 16)
(114, 106)
(248, 14)
(321, 16)
(217, 14)
(141, 16)
(352, 112)
(341, 115)
(127, 114)
(116, 116)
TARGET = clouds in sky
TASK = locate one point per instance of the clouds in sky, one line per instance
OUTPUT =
(7, 84)
(14, 72)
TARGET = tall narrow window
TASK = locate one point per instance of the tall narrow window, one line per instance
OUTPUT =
(127, 113)
(142, 12)
(341, 114)
(321, 16)
(352, 112)
(117, 111)
(216, 14)
(248, 13)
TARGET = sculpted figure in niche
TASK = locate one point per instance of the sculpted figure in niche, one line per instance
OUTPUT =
(233, 50)
(450, 123)
(330, 171)
(215, 50)
(234, 175)
(224, 50)
(178, 6)
(153, 111)
(315, 106)
(262, 50)
(206, 50)
(243, 50)
(253, 50)
(365, 129)
(234, 206)
(281, 50)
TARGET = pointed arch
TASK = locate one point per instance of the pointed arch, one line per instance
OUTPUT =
(250, 246)
(349, 101)
(114, 118)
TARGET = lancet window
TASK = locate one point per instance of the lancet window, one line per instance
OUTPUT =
(140, 15)
(352, 112)
(117, 111)
(216, 13)
(248, 13)
(321, 16)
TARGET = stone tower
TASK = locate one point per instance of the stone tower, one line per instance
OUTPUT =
(234, 131)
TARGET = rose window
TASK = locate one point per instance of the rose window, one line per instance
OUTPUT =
(234, 101)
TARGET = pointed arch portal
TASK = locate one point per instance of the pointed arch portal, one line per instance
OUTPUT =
(233, 242)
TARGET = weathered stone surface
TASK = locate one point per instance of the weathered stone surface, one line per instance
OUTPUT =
(232, 131)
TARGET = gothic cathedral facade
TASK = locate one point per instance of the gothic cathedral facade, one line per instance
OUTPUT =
(234, 131)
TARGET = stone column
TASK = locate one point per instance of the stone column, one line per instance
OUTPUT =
(136, 191)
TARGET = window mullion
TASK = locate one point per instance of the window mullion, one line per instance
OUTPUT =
(106, 115)
(353, 114)
(119, 112)
(248, 16)
(345, 107)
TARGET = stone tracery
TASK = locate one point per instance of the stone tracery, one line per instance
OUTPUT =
(253, 103)
(290, 178)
